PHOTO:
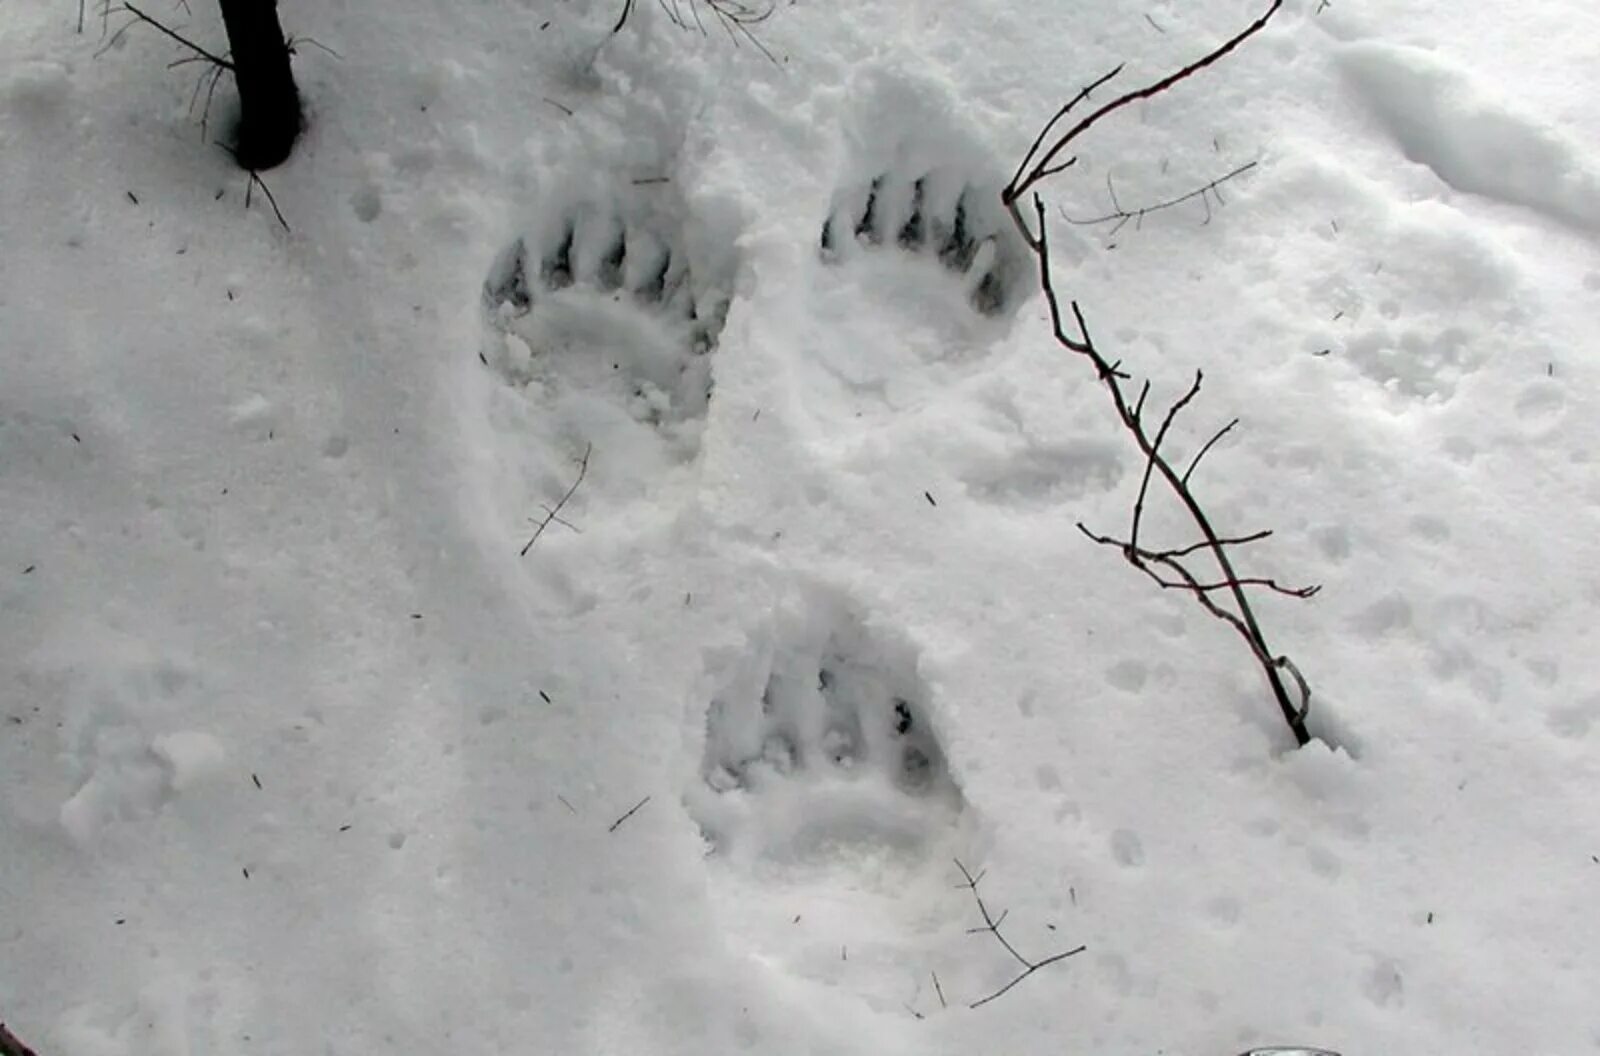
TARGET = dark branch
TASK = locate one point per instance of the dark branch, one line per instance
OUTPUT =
(1220, 433)
(1067, 108)
(1242, 618)
(1237, 540)
(1139, 556)
(186, 42)
(1042, 168)
(1223, 596)
(615, 825)
(622, 20)
(257, 181)
(1152, 448)
(1031, 969)
(294, 42)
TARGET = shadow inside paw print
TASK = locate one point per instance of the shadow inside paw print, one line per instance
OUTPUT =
(936, 214)
(597, 303)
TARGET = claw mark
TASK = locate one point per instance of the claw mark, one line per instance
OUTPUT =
(868, 227)
(915, 229)
(958, 249)
(609, 273)
(557, 269)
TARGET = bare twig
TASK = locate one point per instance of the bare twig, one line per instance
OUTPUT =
(185, 41)
(1239, 614)
(1122, 216)
(257, 181)
(1138, 556)
(615, 825)
(294, 42)
(1195, 463)
(1223, 596)
(991, 925)
(1037, 166)
(553, 512)
(214, 75)
(216, 65)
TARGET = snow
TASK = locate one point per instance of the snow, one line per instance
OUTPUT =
(299, 754)
(1472, 141)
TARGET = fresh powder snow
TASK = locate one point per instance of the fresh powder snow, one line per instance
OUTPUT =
(602, 575)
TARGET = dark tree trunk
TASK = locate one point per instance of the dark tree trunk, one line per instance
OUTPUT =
(269, 102)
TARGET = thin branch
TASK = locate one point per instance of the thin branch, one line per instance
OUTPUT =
(294, 42)
(191, 45)
(1153, 448)
(1122, 215)
(1237, 540)
(1047, 962)
(1241, 617)
(991, 925)
(737, 18)
(1220, 433)
(1067, 108)
(1223, 596)
(555, 511)
(257, 181)
(1137, 554)
(615, 825)
(1042, 168)
(627, 9)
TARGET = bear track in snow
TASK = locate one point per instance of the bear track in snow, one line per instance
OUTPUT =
(601, 302)
(826, 751)
(937, 214)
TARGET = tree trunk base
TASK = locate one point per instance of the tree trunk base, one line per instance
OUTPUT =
(270, 118)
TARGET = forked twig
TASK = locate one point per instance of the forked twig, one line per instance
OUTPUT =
(1223, 596)
(991, 924)
(216, 65)
(1036, 166)
(1153, 562)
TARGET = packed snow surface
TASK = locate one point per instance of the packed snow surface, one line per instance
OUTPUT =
(305, 749)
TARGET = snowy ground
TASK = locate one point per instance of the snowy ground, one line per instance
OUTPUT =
(297, 755)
